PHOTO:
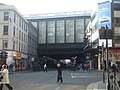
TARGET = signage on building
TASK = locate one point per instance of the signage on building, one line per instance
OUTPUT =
(104, 15)
(104, 41)
(116, 55)
(18, 55)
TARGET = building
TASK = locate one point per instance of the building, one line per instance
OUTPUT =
(61, 35)
(92, 39)
(32, 43)
(14, 35)
(106, 19)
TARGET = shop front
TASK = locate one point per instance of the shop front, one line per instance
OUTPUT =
(20, 61)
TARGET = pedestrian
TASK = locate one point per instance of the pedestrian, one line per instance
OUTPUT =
(45, 67)
(5, 80)
(59, 75)
(1, 74)
(11, 68)
(114, 69)
(81, 67)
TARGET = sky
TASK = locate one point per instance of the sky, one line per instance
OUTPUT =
(51, 6)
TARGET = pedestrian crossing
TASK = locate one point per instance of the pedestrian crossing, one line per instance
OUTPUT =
(84, 75)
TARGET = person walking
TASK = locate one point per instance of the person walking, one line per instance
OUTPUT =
(59, 76)
(114, 69)
(45, 67)
(5, 80)
(11, 68)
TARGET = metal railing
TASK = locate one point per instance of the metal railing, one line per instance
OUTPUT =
(114, 82)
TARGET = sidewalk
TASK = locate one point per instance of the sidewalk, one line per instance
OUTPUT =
(97, 86)
(100, 85)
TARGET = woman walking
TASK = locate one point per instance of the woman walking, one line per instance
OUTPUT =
(5, 80)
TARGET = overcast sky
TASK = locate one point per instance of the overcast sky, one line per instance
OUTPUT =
(51, 6)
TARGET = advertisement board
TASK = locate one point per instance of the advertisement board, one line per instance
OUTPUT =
(104, 15)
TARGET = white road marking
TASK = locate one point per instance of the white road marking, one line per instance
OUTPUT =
(78, 75)
(57, 88)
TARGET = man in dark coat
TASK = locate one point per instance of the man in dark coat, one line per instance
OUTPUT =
(114, 69)
(59, 76)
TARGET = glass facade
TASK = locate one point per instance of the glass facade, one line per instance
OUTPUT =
(65, 30)
(42, 32)
(60, 31)
(34, 24)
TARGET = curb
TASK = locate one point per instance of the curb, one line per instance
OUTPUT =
(94, 86)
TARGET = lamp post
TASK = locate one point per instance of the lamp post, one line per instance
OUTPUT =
(103, 64)
(107, 62)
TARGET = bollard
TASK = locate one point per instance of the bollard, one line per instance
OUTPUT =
(111, 82)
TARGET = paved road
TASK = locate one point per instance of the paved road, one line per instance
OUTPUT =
(72, 80)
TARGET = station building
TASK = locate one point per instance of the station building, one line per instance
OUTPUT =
(61, 35)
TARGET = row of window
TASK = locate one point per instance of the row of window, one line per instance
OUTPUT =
(16, 46)
(22, 36)
(17, 20)
(32, 50)
(62, 31)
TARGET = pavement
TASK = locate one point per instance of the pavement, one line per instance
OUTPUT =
(100, 85)
(97, 86)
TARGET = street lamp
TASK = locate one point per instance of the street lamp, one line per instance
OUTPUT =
(107, 62)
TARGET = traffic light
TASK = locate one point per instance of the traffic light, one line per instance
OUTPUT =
(1, 54)
(6, 54)
(99, 49)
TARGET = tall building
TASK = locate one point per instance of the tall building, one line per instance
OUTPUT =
(14, 30)
(61, 35)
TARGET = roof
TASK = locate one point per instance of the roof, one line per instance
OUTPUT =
(58, 15)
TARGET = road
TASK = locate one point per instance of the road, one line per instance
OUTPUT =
(72, 80)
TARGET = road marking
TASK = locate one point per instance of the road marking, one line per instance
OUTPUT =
(57, 88)
(83, 76)
(79, 75)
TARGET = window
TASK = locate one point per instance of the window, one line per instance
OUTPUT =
(14, 17)
(117, 20)
(14, 32)
(13, 45)
(19, 22)
(22, 36)
(42, 32)
(51, 32)
(79, 30)
(19, 47)
(6, 16)
(5, 30)
(60, 32)
(5, 44)
(19, 35)
(70, 31)
(117, 32)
